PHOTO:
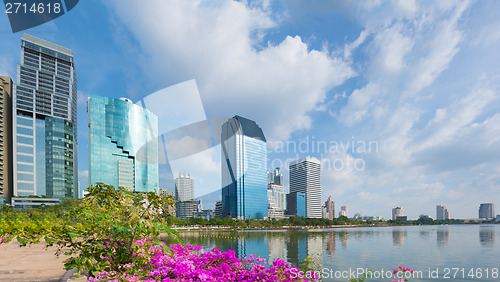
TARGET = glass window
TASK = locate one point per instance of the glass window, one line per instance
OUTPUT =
(25, 186)
(25, 167)
(25, 159)
(25, 177)
(25, 140)
(24, 149)
(24, 121)
(24, 130)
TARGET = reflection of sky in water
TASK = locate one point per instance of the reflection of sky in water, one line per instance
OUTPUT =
(419, 247)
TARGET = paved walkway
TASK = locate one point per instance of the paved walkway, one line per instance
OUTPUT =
(33, 263)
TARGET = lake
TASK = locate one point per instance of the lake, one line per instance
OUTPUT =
(437, 253)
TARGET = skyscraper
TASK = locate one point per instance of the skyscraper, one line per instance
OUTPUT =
(275, 177)
(487, 210)
(296, 204)
(305, 177)
(244, 169)
(343, 211)
(5, 139)
(397, 211)
(330, 207)
(123, 151)
(276, 196)
(184, 196)
(45, 121)
(442, 213)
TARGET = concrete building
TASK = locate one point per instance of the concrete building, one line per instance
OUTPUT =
(305, 177)
(487, 211)
(5, 139)
(44, 116)
(33, 203)
(184, 196)
(330, 208)
(397, 211)
(442, 213)
(276, 196)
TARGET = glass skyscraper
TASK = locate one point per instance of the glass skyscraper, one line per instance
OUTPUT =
(45, 121)
(123, 147)
(244, 169)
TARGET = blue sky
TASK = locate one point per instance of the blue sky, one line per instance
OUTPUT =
(413, 85)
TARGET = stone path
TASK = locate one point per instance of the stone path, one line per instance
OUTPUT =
(33, 263)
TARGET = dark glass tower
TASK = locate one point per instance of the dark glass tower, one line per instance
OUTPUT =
(244, 169)
(45, 121)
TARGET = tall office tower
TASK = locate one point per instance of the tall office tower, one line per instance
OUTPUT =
(184, 196)
(123, 151)
(305, 177)
(276, 197)
(397, 211)
(45, 121)
(275, 177)
(442, 213)
(343, 211)
(5, 139)
(330, 207)
(487, 210)
(244, 173)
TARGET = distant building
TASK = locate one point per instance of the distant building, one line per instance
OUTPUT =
(167, 193)
(199, 205)
(397, 211)
(487, 211)
(185, 205)
(275, 177)
(5, 139)
(330, 207)
(33, 203)
(296, 204)
(205, 214)
(121, 144)
(343, 211)
(324, 212)
(244, 173)
(305, 177)
(402, 218)
(218, 209)
(442, 213)
(276, 196)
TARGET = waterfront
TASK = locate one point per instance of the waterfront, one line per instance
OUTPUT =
(446, 250)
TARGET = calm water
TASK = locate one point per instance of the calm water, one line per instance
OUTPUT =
(433, 250)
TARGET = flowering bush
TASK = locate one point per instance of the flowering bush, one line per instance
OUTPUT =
(152, 262)
(402, 272)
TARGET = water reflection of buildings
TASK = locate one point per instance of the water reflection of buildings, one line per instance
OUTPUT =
(315, 251)
(277, 247)
(442, 236)
(330, 243)
(398, 237)
(487, 236)
(344, 238)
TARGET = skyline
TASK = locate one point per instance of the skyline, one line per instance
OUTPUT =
(419, 79)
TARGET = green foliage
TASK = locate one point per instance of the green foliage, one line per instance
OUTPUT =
(98, 231)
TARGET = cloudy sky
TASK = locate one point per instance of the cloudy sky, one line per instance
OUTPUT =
(399, 99)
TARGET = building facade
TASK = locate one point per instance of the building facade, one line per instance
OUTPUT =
(343, 211)
(330, 208)
(276, 197)
(275, 177)
(123, 151)
(487, 211)
(296, 204)
(244, 169)
(5, 139)
(45, 121)
(442, 213)
(184, 197)
(166, 193)
(305, 177)
(397, 211)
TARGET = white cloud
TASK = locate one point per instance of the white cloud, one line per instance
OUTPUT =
(216, 46)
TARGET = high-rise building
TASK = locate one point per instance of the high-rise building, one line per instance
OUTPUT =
(275, 177)
(123, 151)
(397, 211)
(166, 193)
(244, 173)
(487, 210)
(184, 196)
(324, 212)
(296, 204)
(330, 207)
(45, 121)
(276, 197)
(5, 139)
(343, 211)
(305, 177)
(442, 213)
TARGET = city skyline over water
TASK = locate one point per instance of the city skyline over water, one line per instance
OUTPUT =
(419, 80)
